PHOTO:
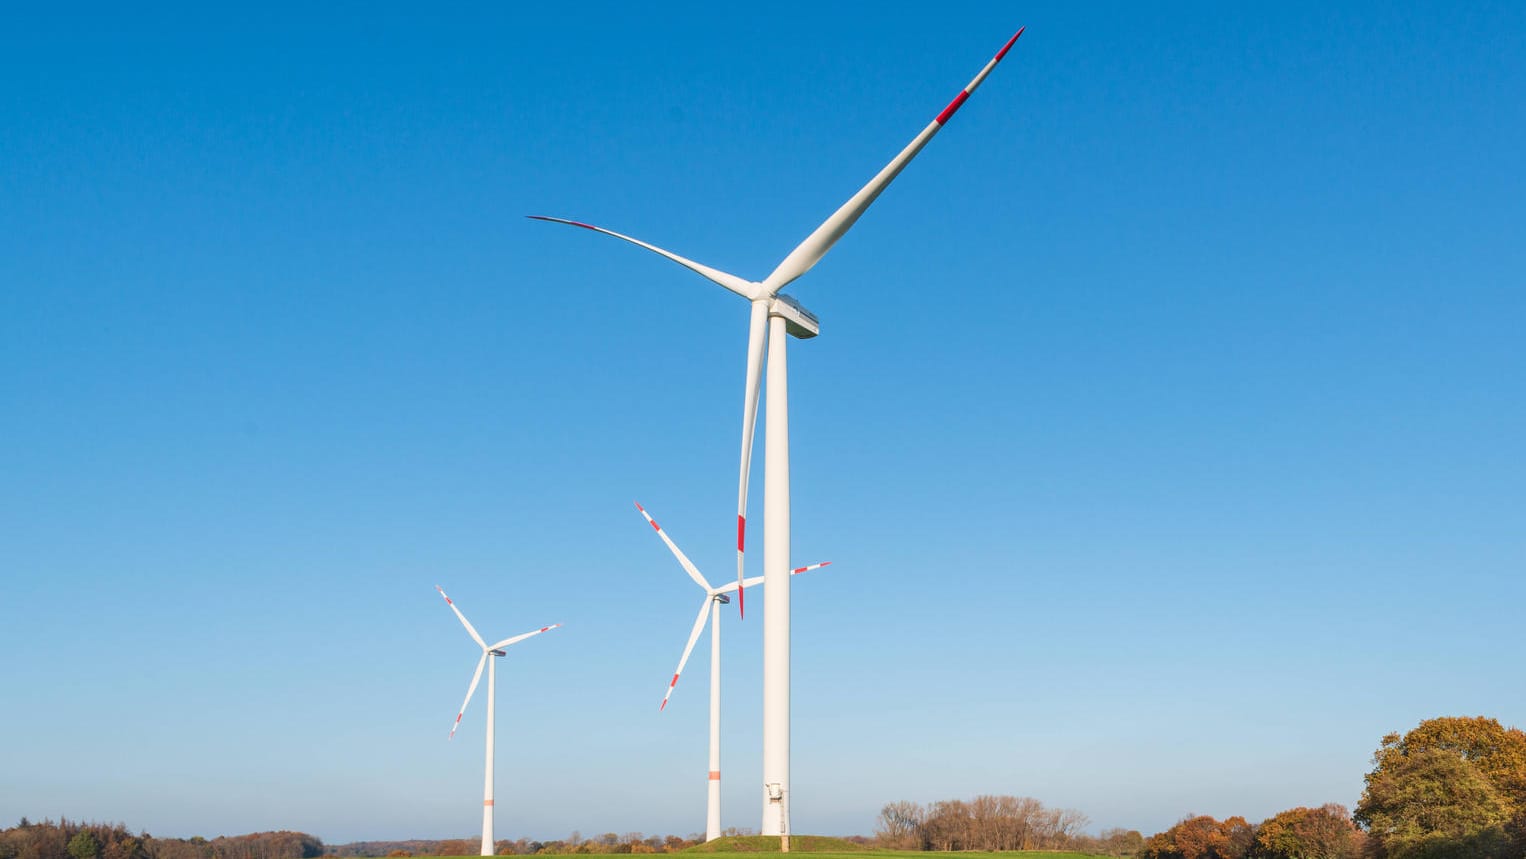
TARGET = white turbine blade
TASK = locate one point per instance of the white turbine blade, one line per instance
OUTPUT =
(518, 638)
(683, 559)
(750, 581)
(470, 690)
(754, 581)
(816, 245)
(699, 626)
(464, 622)
(757, 330)
(741, 286)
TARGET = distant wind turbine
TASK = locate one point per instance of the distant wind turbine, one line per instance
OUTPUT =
(487, 651)
(714, 599)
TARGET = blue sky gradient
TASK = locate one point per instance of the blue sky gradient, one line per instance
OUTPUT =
(1166, 428)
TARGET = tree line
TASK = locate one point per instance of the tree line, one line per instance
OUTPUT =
(67, 839)
(993, 823)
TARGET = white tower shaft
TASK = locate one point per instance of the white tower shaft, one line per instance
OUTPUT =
(713, 788)
(776, 583)
(487, 780)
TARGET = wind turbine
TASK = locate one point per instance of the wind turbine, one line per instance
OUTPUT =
(714, 599)
(781, 317)
(487, 650)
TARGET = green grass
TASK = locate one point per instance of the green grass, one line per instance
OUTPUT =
(817, 844)
(822, 847)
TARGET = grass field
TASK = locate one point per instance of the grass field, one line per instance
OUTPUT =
(861, 853)
(823, 847)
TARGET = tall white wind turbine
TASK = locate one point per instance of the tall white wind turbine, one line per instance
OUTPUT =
(780, 316)
(488, 650)
(714, 599)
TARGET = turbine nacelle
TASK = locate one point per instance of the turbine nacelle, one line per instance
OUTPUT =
(798, 321)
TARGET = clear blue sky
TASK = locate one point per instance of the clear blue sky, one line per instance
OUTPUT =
(1167, 429)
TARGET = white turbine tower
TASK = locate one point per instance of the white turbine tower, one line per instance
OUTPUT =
(714, 599)
(487, 651)
(780, 316)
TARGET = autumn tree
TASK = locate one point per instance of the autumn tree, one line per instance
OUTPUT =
(1309, 833)
(1452, 786)
(1431, 803)
(1202, 837)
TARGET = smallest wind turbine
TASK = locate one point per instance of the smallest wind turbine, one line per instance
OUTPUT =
(714, 599)
(487, 651)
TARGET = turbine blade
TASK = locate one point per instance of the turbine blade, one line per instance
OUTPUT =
(464, 622)
(757, 329)
(816, 245)
(518, 638)
(750, 581)
(470, 691)
(745, 288)
(798, 570)
(683, 559)
(699, 626)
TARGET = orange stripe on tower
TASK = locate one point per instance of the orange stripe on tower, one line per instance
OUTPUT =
(487, 802)
(715, 775)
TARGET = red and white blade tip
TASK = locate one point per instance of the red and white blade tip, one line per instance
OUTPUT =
(741, 589)
(649, 519)
(671, 685)
(959, 99)
(798, 570)
(1010, 42)
(456, 725)
(442, 593)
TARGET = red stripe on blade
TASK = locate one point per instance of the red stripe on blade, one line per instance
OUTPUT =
(1010, 42)
(741, 532)
(952, 106)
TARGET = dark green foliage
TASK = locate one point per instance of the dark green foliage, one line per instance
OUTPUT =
(84, 845)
